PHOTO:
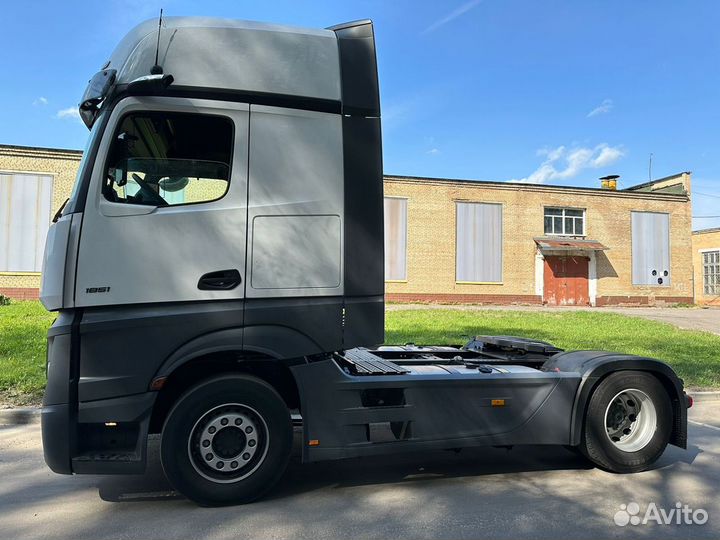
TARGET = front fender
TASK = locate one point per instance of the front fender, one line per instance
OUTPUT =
(593, 366)
(279, 342)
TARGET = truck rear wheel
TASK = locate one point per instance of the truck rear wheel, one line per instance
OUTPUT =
(628, 422)
(226, 440)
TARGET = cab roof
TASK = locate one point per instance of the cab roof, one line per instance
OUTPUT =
(227, 54)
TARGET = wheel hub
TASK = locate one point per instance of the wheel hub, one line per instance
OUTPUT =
(228, 443)
(630, 420)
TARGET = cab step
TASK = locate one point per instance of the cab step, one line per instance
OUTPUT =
(129, 462)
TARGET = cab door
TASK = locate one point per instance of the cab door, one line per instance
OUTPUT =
(165, 216)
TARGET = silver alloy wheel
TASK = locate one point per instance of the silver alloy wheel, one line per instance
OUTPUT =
(228, 443)
(630, 420)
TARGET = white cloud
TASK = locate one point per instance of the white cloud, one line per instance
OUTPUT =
(604, 108)
(454, 14)
(607, 156)
(433, 151)
(552, 154)
(562, 163)
(71, 113)
(40, 101)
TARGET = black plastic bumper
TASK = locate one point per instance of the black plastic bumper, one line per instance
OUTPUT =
(101, 437)
(55, 420)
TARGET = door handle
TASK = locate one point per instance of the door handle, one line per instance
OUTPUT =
(222, 280)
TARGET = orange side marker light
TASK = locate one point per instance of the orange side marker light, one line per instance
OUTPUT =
(158, 383)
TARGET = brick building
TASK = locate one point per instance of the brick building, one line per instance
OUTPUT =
(446, 240)
(499, 242)
(706, 255)
(34, 183)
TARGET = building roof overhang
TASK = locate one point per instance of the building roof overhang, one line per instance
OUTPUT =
(569, 244)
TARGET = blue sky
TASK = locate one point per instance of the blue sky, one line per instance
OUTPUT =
(559, 92)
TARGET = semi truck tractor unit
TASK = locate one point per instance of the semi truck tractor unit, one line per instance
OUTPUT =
(217, 275)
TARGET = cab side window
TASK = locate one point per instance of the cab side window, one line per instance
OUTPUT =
(168, 159)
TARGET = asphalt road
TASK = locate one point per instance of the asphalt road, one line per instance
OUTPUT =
(531, 492)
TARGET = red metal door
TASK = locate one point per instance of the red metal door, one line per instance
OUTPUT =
(566, 281)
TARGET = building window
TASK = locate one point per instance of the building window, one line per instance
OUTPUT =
(711, 273)
(395, 214)
(25, 201)
(650, 248)
(479, 243)
(565, 221)
(167, 159)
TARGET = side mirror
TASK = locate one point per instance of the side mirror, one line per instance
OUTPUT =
(97, 89)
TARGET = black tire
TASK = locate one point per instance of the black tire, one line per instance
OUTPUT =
(597, 444)
(233, 403)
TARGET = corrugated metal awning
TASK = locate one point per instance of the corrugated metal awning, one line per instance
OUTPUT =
(569, 244)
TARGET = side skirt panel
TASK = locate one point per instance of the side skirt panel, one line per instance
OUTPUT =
(429, 408)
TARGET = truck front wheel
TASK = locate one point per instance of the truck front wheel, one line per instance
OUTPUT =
(226, 440)
(628, 422)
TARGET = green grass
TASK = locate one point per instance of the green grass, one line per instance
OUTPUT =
(694, 355)
(23, 327)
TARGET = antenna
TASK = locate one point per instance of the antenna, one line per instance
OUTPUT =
(650, 168)
(157, 69)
